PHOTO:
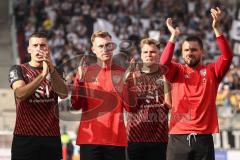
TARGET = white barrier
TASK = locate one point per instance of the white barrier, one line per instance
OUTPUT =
(5, 153)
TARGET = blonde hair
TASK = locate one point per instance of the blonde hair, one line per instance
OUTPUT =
(149, 41)
(101, 34)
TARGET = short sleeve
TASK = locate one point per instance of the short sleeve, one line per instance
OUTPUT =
(15, 74)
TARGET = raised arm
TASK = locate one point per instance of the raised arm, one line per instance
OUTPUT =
(167, 54)
(166, 57)
(224, 61)
(216, 15)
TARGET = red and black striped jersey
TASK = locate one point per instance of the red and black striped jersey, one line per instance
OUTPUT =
(150, 123)
(38, 114)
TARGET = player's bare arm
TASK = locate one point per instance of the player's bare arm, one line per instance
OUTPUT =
(23, 90)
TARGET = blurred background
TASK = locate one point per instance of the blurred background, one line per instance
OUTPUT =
(70, 24)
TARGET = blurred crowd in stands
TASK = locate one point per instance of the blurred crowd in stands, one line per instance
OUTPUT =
(70, 24)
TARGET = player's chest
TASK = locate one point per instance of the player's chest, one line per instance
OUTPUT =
(196, 77)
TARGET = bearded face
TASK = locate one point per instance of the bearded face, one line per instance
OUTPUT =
(192, 53)
(192, 60)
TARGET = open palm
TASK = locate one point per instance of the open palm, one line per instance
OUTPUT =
(171, 29)
(216, 15)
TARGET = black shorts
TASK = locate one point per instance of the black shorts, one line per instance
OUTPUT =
(102, 152)
(146, 151)
(199, 148)
(36, 148)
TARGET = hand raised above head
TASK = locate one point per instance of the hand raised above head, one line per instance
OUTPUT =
(216, 15)
(175, 32)
(170, 27)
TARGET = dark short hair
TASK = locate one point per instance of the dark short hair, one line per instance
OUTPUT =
(195, 39)
(38, 35)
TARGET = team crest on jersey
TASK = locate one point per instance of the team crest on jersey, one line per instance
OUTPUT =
(203, 72)
(13, 76)
(116, 79)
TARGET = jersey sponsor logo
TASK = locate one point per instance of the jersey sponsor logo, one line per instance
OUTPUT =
(151, 96)
(13, 75)
(42, 92)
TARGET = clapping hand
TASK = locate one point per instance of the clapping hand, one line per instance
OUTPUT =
(216, 15)
(47, 63)
(132, 72)
(175, 32)
(82, 68)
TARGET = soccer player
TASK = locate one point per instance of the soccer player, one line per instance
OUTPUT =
(148, 127)
(98, 90)
(37, 85)
(194, 89)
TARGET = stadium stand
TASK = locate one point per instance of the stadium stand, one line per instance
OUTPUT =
(70, 23)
